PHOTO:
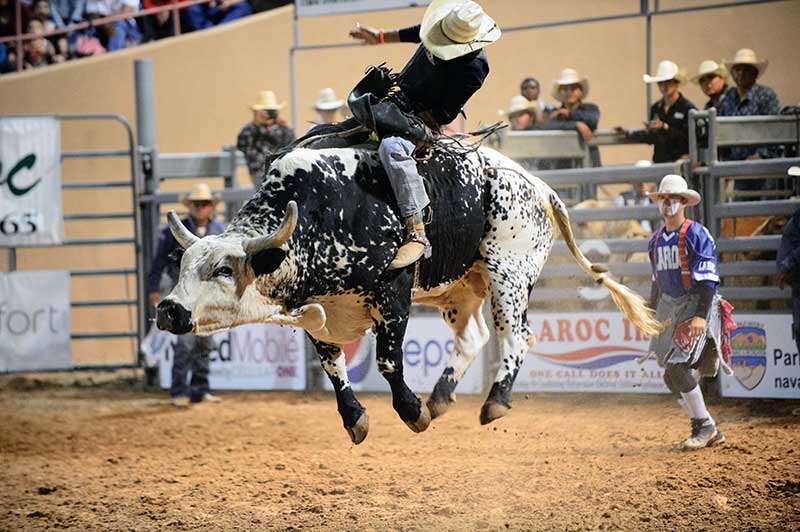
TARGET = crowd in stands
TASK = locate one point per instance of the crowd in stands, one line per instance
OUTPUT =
(730, 86)
(38, 17)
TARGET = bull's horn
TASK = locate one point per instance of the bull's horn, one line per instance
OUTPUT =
(184, 237)
(278, 237)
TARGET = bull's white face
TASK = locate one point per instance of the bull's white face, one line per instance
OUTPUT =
(216, 287)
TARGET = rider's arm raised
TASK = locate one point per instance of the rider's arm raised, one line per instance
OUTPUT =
(380, 36)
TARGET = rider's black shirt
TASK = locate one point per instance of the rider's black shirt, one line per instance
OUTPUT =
(441, 87)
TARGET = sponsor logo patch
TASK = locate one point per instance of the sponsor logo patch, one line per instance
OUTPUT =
(749, 358)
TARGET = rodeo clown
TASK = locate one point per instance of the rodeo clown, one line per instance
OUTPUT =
(697, 321)
(444, 72)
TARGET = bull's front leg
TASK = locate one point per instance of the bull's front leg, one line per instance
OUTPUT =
(354, 416)
(390, 318)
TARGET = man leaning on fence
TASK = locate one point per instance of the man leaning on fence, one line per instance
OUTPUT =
(668, 126)
(748, 98)
(697, 321)
(192, 352)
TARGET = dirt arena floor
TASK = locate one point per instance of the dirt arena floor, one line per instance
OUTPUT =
(117, 458)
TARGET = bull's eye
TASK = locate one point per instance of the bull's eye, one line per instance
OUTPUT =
(223, 271)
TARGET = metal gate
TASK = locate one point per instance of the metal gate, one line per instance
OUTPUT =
(128, 270)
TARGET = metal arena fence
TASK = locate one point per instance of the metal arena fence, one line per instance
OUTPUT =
(149, 170)
(128, 260)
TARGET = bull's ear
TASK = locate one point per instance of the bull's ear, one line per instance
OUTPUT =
(267, 261)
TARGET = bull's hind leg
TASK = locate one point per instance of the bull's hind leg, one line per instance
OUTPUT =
(354, 416)
(509, 309)
(462, 312)
(390, 318)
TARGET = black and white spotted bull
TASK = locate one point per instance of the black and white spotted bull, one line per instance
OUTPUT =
(312, 246)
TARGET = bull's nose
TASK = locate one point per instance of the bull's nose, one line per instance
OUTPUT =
(172, 317)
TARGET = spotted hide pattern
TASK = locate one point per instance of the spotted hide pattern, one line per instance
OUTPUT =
(492, 231)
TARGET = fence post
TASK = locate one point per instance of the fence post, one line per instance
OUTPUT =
(693, 148)
(231, 206)
(148, 153)
(712, 137)
(697, 212)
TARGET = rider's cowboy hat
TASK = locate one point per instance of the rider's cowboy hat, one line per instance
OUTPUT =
(794, 171)
(746, 56)
(675, 185)
(519, 104)
(200, 192)
(267, 102)
(328, 101)
(666, 71)
(452, 28)
(710, 67)
(569, 76)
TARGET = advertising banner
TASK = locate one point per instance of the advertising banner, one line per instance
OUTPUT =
(427, 347)
(765, 360)
(588, 352)
(34, 321)
(315, 8)
(248, 357)
(30, 182)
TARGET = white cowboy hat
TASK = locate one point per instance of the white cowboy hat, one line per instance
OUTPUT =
(328, 101)
(675, 185)
(746, 56)
(794, 170)
(452, 28)
(200, 192)
(666, 71)
(569, 76)
(710, 67)
(267, 102)
(519, 104)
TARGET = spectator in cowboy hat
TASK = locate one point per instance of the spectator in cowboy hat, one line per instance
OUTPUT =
(668, 128)
(531, 90)
(522, 114)
(748, 98)
(570, 89)
(191, 352)
(327, 106)
(713, 80)
(267, 133)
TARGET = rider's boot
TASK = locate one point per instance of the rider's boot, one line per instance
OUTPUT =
(415, 243)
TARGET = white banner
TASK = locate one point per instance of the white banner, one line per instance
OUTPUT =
(765, 360)
(588, 352)
(426, 349)
(34, 321)
(30, 182)
(315, 8)
(249, 357)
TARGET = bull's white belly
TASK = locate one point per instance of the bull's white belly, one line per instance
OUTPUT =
(347, 318)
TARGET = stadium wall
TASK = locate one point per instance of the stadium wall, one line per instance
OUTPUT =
(205, 80)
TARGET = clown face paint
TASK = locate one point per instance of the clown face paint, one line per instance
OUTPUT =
(669, 207)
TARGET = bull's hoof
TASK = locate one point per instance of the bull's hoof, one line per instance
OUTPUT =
(492, 410)
(437, 408)
(358, 432)
(422, 421)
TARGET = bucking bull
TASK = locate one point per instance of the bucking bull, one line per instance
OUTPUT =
(312, 246)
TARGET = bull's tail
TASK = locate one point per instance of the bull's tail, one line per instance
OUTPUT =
(632, 305)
